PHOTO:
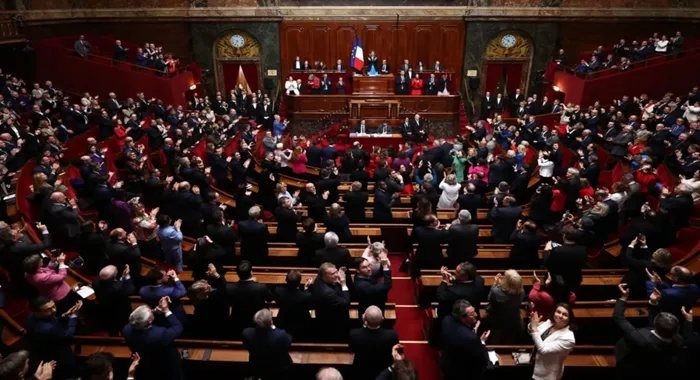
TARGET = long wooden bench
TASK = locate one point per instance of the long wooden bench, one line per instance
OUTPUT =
(317, 354)
(389, 311)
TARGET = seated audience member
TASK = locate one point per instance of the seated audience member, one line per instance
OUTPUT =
(372, 345)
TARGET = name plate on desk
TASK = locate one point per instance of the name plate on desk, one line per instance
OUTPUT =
(380, 135)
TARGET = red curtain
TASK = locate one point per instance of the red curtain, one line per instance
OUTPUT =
(514, 72)
(494, 72)
(250, 71)
(497, 73)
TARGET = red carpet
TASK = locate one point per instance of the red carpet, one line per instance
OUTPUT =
(409, 323)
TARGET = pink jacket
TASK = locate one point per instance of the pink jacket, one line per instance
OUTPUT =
(50, 284)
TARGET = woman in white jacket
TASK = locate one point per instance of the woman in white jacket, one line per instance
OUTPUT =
(553, 340)
(546, 168)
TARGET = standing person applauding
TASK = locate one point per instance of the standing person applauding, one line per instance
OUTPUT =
(553, 340)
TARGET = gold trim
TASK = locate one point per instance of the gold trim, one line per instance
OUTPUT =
(223, 52)
(523, 46)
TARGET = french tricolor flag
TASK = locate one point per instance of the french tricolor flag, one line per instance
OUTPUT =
(357, 58)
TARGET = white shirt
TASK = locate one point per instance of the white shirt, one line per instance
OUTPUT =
(546, 167)
(661, 46)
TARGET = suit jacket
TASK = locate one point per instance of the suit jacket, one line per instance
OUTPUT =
(269, 351)
(469, 202)
(294, 306)
(370, 292)
(120, 53)
(429, 251)
(567, 260)
(524, 252)
(50, 339)
(382, 206)
(355, 203)
(339, 256)
(462, 349)
(120, 253)
(211, 313)
(461, 242)
(552, 351)
(246, 298)
(372, 349)
(641, 354)
(155, 346)
(151, 295)
(224, 236)
(504, 220)
(287, 220)
(308, 244)
(472, 291)
(332, 306)
(64, 223)
(254, 238)
(113, 303)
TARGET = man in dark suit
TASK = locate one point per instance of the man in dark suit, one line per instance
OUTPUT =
(120, 52)
(294, 305)
(360, 174)
(371, 345)
(338, 256)
(566, 260)
(155, 343)
(328, 183)
(50, 336)
(383, 202)
(64, 223)
(315, 202)
(287, 219)
(401, 84)
(519, 186)
(486, 105)
(651, 352)
(372, 61)
(254, 236)
(16, 248)
(211, 306)
(368, 289)
(417, 127)
(678, 204)
(246, 297)
(461, 238)
(313, 154)
(504, 218)
(222, 234)
(463, 350)
(526, 244)
(469, 201)
(122, 249)
(113, 297)
(309, 241)
(355, 203)
(683, 293)
(332, 302)
(268, 348)
(466, 285)
(113, 105)
(430, 239)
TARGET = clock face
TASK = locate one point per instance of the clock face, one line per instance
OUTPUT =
(237, 41)
(508, 40)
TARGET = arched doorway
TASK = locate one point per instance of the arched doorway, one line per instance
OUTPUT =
(507, 63)
(237, 60)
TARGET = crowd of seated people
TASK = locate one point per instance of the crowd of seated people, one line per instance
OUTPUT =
(622, 55)
(150, 212)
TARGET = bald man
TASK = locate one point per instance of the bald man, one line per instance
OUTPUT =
(112, 290)
(328, 373)
(372, 345)
(122, 250)
(682, 293)
(63, 221)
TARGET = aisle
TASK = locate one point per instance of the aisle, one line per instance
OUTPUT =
(409, 323)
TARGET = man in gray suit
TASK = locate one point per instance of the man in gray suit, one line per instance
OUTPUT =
(82, 47)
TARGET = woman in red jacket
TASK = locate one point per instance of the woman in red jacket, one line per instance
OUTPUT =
(416, 85)
(647, 178)
(120, 134)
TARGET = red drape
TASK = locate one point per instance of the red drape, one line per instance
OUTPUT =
(514, 72)
(497, 73)
(494, 72)
(250, 71)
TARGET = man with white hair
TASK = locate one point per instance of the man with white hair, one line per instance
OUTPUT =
(371, 345)
(113, 104)
(113, 298)
(461, 238)
(254, 235)
(679, 205)
(338, 256)
(160, 359)
(268, 347)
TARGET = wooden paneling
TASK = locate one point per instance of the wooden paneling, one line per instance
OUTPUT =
(415, 41)
(430, 107)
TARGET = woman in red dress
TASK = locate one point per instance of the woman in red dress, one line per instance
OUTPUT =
(416, 85)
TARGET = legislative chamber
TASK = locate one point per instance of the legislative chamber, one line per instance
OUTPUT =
(368, 190)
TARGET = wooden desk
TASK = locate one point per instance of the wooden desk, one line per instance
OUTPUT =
(375, 110)
(314, 107)
(375, 85)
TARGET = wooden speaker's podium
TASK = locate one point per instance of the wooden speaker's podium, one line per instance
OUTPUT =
(373, 85)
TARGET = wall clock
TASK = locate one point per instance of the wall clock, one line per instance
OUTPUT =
(508, 41)
(237, 41)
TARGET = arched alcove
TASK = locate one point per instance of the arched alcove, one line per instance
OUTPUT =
(507, 63)
(235, 51)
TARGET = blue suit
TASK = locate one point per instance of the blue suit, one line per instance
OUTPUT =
(674, 297)
(151, 295)
(50, 340)
(160, 359)
(278, 128)
(170, 243)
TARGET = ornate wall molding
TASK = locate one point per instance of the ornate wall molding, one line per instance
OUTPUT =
(242, 14)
